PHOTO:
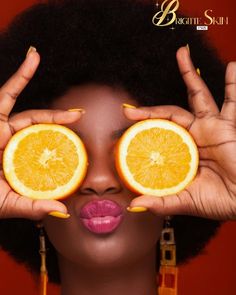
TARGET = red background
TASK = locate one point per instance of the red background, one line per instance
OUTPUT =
(213, 272)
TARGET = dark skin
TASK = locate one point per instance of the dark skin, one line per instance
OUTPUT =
(124, 263)
(212, 194)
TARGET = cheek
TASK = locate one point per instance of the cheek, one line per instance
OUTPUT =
(135, 238)
(61, 234)
(143, 231)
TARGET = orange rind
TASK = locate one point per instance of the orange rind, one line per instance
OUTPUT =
(156, 157)
(45, 161)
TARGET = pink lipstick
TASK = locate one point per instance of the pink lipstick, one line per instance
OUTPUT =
(101, 216)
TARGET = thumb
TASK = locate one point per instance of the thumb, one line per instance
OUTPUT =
(24, 207)
(30, 117)
(168, 205)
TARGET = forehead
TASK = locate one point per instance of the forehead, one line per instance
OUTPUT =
(103, 108)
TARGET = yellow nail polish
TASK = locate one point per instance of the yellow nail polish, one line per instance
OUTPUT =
(82, 111)
(187, 46)
(129, 106)
(59, 214)
(31, 49)
(198, 71)
(136, 209)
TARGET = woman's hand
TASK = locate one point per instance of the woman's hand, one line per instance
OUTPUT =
(212, 194)
(12, 204)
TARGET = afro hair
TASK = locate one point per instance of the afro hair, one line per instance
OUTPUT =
(112, 43)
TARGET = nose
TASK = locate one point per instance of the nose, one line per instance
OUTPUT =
(101, 178)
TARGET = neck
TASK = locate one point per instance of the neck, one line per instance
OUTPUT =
(137, 278)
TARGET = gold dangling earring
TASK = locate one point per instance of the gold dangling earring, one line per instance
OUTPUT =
(43, 268)
(168, 273)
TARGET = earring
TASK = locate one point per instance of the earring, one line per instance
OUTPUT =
(168, 273)
(43, 268)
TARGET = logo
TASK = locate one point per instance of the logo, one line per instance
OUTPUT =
(166, 16)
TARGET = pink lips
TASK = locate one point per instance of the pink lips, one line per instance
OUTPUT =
(101, 216)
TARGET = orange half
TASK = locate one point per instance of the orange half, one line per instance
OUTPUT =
(156, 157)
(45, 161)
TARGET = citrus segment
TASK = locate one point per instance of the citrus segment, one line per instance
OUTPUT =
(156, 157)
(45, 161)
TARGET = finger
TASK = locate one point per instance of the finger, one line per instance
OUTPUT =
(178, 204)
(15, 206)
(13, 87)
(228, 110)
(28, 118)
(200, 98)
(168, 112)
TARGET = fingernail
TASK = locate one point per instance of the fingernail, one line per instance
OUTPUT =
(59, 214)
(31, 49)
(136, 209)
(129, 106)
(187, 46)
(82, 111)
(198, 71)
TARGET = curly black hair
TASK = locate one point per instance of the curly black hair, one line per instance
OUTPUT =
(112, 43)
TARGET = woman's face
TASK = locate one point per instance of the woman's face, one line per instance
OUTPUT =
(125, 237)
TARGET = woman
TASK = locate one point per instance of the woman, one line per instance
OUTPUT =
(98, 56)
